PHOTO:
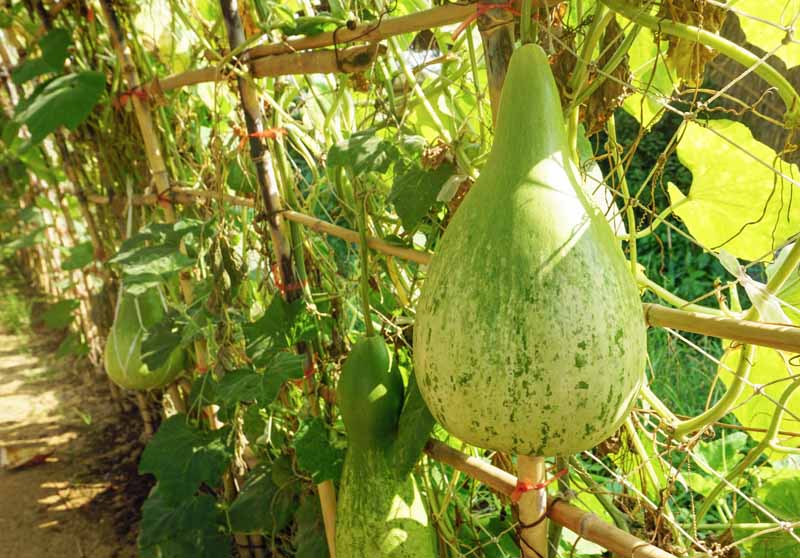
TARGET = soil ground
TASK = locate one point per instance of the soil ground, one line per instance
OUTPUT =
(83, 499)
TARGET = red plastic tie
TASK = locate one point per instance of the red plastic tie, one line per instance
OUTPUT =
(296, 286)
(269, 133)
(123, 98)
(201, 369)
(90, 14)
(308, 372)
(481, 9)
(524, 486)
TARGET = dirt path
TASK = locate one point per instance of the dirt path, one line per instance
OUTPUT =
(74, 502)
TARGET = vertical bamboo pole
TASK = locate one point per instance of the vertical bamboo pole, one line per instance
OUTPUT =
(496, 26)
(532, 507)
(271, 198)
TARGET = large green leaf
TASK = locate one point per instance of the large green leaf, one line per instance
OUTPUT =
(79, 257)
(54, 47)
(62, 101)
(652, 79)
(189, 528)
(60, 314)
(182, 457)
(770, 374)
(363, 152)
(756, 21)
(415, 190)
(780, 495)
(315, 452)
(735, 202)
(263, 506)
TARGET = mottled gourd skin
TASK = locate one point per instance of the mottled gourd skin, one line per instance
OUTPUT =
(529, 334)
(123, 348)
(380, 512)
(380, 515)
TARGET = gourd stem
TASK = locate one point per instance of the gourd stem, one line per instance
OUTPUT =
(731, 396)
(533, 507)
(601, 18)
(767, 442)
(525, 26)
(674, 300)
(658, 406)
(363, 250)
(616, 161)
(720, 44)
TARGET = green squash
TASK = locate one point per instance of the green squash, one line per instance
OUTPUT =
(529, 334)
(135, 314)
(370, 392)
(380, 511)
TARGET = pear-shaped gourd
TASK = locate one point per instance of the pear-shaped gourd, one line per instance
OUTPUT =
(380, 511)
(529, 334)
(134, 316)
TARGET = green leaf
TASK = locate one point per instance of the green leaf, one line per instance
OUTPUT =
(284, 366)
(651, 78)
(59, 315)
(772, 370)
(735, 202)
(309, 538)
(767, 37)
(239, 385)
(414, 191)
(262, 506)
(183, 457)
(315, 453)
(65, 100)
(54, 47)
(254, 424)
(363, 152)
(79, 256)
(721, 455)
(780, 494)
(163, 520)
(282, 325)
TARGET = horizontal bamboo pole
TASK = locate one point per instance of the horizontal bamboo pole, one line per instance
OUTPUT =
(777, 336)
(585, 524)
(372, 30)
(345, 60)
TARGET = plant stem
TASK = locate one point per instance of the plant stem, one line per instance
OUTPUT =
(613, 150)
(363, 249)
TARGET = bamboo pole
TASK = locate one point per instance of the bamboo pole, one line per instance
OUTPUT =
(347, 60)
(533, 507)
(273, 206)
(585, 524)
(777, 336)
(496, 26)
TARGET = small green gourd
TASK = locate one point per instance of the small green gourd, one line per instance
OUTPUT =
(380, 511)
(122, 355)
(529, 334)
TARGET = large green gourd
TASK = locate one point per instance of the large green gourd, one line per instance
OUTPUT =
(529, 334)
(135, 314)
(380, 511)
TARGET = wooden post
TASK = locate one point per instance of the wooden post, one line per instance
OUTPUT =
(273, 204)
(532, 507)
(496, 26)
